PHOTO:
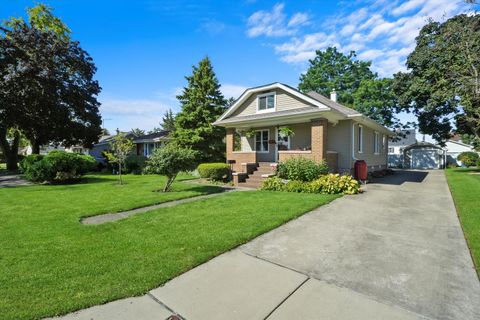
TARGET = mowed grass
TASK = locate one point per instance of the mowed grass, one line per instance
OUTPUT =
(51, 264)
(465, 187)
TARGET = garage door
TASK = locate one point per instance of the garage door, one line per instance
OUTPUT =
(425, 159)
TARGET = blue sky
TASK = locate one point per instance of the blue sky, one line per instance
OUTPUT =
(143, 49)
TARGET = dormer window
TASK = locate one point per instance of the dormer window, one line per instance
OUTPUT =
(266, 102)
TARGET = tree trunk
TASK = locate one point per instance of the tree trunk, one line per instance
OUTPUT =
(10, 151)
(120, 172)
(35, 147)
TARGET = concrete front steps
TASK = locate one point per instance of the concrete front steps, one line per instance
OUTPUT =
(256, 178)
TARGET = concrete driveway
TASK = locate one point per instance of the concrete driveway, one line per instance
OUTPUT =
(395, 252)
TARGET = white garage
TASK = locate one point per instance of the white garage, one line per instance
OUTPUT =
(424, 155)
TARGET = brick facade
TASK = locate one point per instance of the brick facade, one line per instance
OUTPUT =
(318, 150)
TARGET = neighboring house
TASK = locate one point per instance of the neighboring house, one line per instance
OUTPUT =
(103, 145)
(146, 144)
(454, 148)
(397, 145)
(323, 130)
(47, 148)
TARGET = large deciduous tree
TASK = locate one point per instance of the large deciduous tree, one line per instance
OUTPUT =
(357, 86)
(202, 103)
(442, 84)
(46, 85)
(332, 69)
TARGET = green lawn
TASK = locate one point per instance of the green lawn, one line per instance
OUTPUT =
(51, 264)
(465, 187)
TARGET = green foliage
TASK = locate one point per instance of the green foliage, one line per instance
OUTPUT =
(469, 159)
(376, 99)
(135, 164)
(326, 184)
(202, 103)
(170, 161)
(301, 169)
(443, 78)
(273, 184)
(57, 167)
(296, 186)
(214, 171)
(334, 184)
(137, 132)
(30, 160)
(286, 132)
(120, 147)
(331, 69)
(168, 121)
(47, 84)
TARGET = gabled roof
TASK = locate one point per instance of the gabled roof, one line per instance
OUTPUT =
(276, 85)
(320, 103)
(153, 137)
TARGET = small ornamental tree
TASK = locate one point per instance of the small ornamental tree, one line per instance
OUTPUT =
(169, 161)
(120, 148)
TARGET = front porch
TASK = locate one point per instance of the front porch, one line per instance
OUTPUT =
(248, 146)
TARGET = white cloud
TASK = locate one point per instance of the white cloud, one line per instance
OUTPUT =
(274, 23)
(232, 90)
(380, 30)
(127, 114)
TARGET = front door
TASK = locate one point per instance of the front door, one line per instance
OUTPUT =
(264, 146)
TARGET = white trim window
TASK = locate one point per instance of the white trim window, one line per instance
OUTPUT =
(261, 140)
(266, 102)
(360, 139)
(376, 142)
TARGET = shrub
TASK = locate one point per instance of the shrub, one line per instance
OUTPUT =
(296, 186)
(214, 171)
(57, 167)
(334, 184)
(273, 184)
(29, 161)
(327, 184)
(301, 169)
(478, 163)
(169, 161)
(135, 164)
(468, 158)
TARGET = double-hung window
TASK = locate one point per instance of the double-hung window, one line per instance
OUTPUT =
(376, 143)
(261, 141)
(266, 102)
(360, 139)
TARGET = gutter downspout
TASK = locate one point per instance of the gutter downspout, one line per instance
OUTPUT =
(353, 145)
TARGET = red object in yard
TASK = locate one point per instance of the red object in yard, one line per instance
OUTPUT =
(360, 170)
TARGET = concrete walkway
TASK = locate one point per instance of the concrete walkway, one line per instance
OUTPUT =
(109, 217)
(12, 180)
(395, 252)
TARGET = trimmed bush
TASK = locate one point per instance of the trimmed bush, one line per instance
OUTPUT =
(301, 169)
(469, 158)
(214, 171)
(29, 160)
(135, 164)
(326, 184)
(57, 167)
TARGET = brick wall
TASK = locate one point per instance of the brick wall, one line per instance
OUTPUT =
(319, 139)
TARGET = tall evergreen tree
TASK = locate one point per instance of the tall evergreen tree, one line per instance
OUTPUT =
(168, 121)
(202, 103)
